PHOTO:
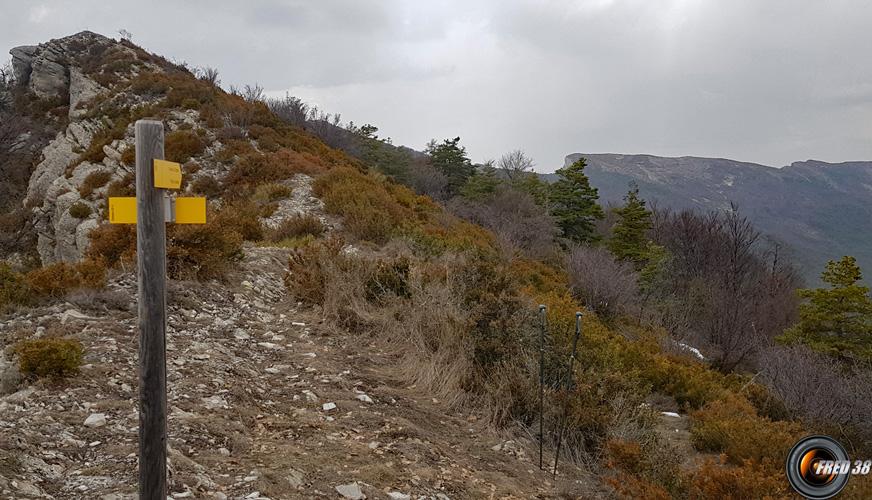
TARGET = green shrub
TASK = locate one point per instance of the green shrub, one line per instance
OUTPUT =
(49, 357)
(79, 210)
(94, 180)
(181, 145)
(13, 287)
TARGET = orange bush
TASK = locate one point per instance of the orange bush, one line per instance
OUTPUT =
(731, 425)
(748, 480)
(629, 486)
(57, 279)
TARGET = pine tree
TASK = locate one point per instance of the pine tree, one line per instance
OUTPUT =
(573, 203)
(629, 240)
(836, 320)
(450, 158)
(482, 184)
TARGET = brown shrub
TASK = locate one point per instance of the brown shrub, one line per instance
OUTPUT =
(299, 163)
(308, 268)
(253, 169)
(605, 285)
(242, 217)
(629, 486)
(114, 244)
(748, 480)
(202, 251)
(128, 156)
(94, 180)
(49, 357)
(181, 145)
(57, 279)
(207, 186)
(232, 149)
(122, 187)
(195, 251)
(296, 227)
(270, 192)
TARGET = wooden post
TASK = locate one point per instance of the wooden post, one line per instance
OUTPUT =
(151, 258)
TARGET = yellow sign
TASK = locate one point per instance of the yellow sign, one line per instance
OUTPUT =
(167, 174)
(190, 210)
(122, 210)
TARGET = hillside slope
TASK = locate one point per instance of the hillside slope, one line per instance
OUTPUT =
(332, 334)
(820, 210)
(248, 375)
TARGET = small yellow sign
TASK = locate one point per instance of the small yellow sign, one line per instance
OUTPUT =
(122, 210)
(167, 174)
(190, 210)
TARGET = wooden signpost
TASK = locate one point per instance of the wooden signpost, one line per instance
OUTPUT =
(148, 210)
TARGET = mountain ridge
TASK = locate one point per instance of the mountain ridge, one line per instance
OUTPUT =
(817, 209)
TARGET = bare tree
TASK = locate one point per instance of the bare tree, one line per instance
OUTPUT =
(722, 293)
(515, 164)
(291, 110)
(816, 388)
(606, 286)
(426, 179)
(518, 222)
(253, 93)
(209, 75)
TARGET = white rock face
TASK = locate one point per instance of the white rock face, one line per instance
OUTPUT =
(82, 89)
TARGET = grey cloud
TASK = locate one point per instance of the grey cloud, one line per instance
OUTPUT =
(771, 82)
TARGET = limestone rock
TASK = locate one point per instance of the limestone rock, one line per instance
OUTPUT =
(82, 89)
(95, 420)
(350, 491)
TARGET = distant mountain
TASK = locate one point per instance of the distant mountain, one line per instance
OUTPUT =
(819, 210)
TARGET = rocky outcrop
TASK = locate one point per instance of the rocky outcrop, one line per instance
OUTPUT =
(53, 71)
(45, 69)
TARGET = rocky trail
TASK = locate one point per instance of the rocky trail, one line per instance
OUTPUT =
(264, 402)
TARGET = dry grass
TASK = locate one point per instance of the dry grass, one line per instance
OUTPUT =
(296, 227)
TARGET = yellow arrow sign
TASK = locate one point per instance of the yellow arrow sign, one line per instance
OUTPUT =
(167, 174)
(190, 210)
(122, 210)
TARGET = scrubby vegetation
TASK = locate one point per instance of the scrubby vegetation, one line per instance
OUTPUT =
(49, 357)
(452, 288)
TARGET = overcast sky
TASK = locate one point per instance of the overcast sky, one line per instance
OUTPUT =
(765, 81)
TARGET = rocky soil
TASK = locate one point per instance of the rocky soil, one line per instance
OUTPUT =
(264, 402)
